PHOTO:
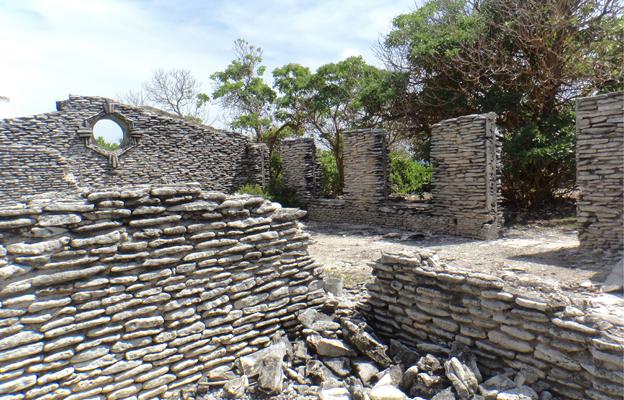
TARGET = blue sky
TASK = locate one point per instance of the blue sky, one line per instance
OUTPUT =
(51, 48)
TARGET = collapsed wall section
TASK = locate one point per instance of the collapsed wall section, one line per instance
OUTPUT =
(157, 148)
(465, 155)
(141, 291)
(571, 344)
(600, 171)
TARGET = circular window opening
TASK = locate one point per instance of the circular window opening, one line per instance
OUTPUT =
(108, 134)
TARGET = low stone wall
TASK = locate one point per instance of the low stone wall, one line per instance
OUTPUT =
(141, 291)
(566, 342)
(600, 171)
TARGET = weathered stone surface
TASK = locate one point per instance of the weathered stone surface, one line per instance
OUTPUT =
(330, 347)
(109, 310)
(460, 148)
(387, 393)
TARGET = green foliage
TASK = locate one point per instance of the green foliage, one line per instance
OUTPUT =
(330, 186)
(254, 190)
(241, 89)
(106, 145)
(276, 191)
(526, 60)
(539, 163)
(336, 97)
(407, 175)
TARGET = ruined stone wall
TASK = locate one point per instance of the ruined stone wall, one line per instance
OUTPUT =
(301, 171)
(140, 291)
(568, 343)
(28, 169)
(158, 148)
(465, 154)
(600, 171)
(466, 189)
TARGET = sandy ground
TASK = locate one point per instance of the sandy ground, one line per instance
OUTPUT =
(547, 250)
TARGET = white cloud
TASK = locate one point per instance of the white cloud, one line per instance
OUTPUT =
(106, 47)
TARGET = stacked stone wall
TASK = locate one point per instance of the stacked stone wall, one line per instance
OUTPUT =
(466, 189)
(600, 171)
(159, 148)
(23, 168)
(141, 291)
(569, 343)
(302, 173)
(465, 154)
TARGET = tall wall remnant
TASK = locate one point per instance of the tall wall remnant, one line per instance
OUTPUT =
(301, 171)
(465, 154)
(139, 291)
(157, 148)
(466, 158)
(600, 171)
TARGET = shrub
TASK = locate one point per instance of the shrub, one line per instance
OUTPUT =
(254, 190)
(538, 164)
(331, 186)
(407, 175)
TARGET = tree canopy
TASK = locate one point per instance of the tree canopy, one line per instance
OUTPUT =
(526, 60)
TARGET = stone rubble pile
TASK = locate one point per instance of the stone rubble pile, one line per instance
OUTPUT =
(339, 358)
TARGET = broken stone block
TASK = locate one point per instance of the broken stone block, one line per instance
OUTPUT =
(330, 347)
(490, 388)
(463, 379)
(271, 376)
(386, 392)
(409, 378)
(446, 394)
(318, 372)
(365, 342)
(339, 366)
(235, 388)
(316, 321)
(365, 370)
(335, 394)
(519, 393)
(390, 376)
(250, 364)
(429, 363)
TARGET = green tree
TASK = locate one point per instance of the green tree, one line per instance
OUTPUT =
(526, 60)
(242, 90)
(337, 97)
(107, 145)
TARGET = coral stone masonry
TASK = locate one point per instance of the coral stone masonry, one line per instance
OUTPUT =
(600, 171)
(139, 291)
(465, 154)
(569, 343)
(57, 151)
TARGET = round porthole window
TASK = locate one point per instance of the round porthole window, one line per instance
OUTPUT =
(108, 134)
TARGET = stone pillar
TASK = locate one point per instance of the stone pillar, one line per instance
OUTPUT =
(465, 154)
(600, 171)
(300, 170)
(366, 178)
(258, 164)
